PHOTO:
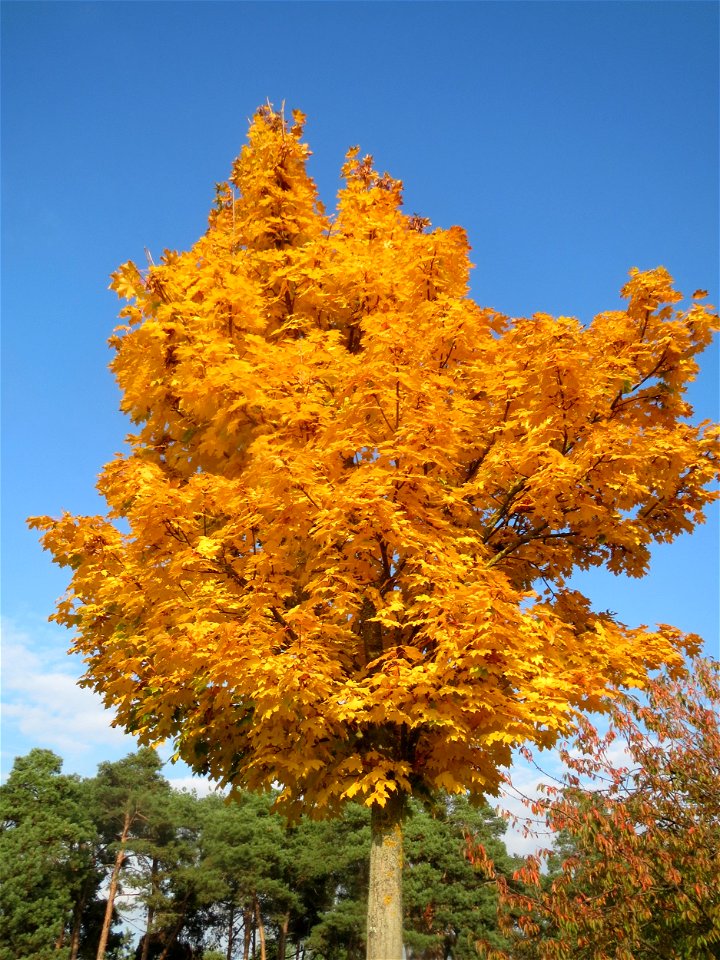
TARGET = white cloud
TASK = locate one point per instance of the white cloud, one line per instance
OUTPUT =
(199, 785)
(43, 705)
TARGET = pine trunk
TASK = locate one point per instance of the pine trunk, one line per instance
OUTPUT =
(170, 941)
(385, 912)
(248, 933)
(77, 921)
(112, 890)
(282, 937)
(231, 933)
(261, 929)
(75, 939)
(150, 911)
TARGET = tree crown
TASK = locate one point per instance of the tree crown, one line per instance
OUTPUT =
(336, 554)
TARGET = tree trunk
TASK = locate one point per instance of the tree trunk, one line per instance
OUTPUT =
(75, 938)
(170, 941)
(261, 929)
(77, 921)
(282, 937)
(385, 912)
(248, 933)
(231, 933)
(150, 911)
(112, 890)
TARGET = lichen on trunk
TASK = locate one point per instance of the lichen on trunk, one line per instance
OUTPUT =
(385, 910)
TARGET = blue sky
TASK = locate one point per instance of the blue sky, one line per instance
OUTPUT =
(572, 140)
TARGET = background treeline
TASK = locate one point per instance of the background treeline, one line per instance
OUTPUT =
(633, 874)
(201, 878)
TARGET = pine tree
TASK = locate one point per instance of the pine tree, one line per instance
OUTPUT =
(245, 846)
(126, 792)
(46, 859)
(450, 906)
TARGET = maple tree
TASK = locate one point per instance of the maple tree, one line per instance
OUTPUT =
(641, 836)
(321, 557)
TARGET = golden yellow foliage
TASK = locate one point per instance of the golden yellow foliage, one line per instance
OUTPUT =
(354, 496)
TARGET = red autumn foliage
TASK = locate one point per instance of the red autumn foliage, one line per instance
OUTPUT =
(635, 873)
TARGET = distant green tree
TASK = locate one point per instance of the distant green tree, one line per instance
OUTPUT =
(47, 870)
(245, 849)
(167, 843)
(339, 850)
(126, 793)
(449, 906)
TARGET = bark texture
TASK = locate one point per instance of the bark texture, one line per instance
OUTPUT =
(385, 911)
